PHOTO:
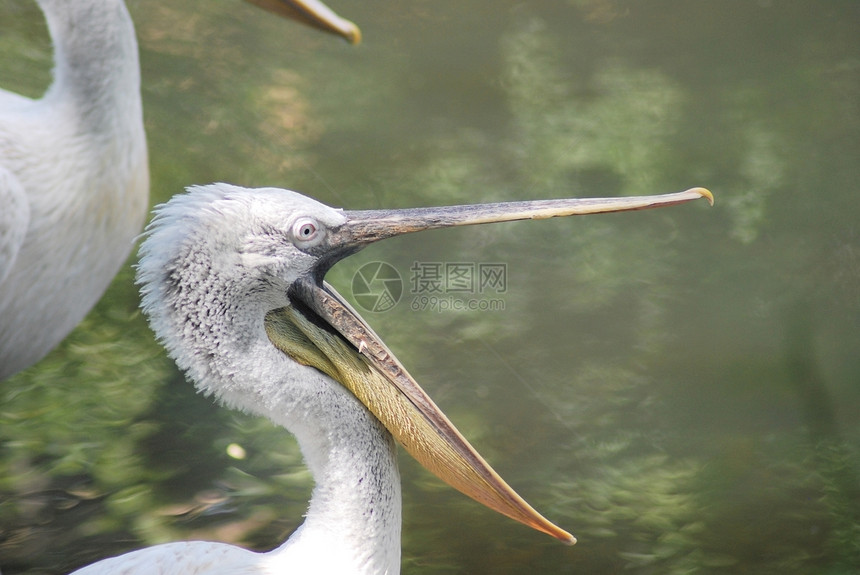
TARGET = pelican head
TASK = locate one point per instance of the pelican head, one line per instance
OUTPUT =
(233, 283)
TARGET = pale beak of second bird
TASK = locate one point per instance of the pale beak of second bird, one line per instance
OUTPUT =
(313, 13)
(322, 330)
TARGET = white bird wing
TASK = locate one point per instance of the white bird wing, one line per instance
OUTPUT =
(14, 205)
(14, 219)
(183, 558)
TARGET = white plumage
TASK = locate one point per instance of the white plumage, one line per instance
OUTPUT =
(74, 180)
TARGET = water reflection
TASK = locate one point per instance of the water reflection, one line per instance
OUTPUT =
(652, 384)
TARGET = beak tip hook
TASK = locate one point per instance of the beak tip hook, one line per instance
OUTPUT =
(705, 194)
(352, 33)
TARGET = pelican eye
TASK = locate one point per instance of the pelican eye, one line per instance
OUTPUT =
(306, 230)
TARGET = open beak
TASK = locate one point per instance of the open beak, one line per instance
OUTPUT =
(313, 13)
(322, 330)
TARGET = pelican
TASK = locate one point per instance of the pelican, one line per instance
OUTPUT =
(74, 176)
(232, 283)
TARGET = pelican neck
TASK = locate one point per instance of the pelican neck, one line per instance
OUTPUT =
(96, 64)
